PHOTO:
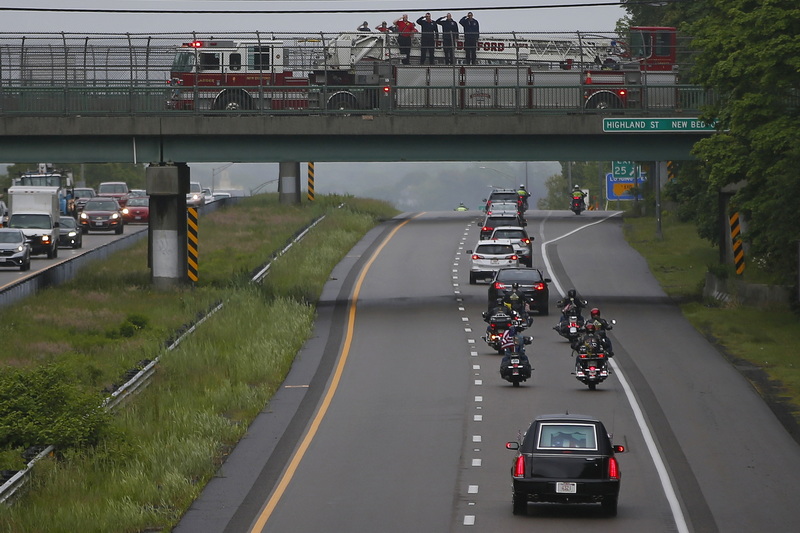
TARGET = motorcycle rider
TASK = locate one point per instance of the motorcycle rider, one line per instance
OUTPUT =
(572, 303)
(515, 300)
(513, 343)
(590, 341)
(602, 326)
(523, 196)
(578, 194)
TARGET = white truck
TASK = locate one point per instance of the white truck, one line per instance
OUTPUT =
(35, 210)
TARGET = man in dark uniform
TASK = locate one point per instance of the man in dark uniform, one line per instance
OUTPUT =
(472, 32)
(449, 36)
(430, 34)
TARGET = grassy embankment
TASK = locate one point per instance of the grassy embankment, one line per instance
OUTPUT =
(759, 336)
(159, 450)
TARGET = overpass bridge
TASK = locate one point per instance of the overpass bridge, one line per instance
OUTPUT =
(271, 97)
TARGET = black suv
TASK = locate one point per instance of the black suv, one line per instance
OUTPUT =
(531, 282)
(503, 195)
(506, 219)
(565, 459)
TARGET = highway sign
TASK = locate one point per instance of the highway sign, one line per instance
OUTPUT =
(639, 125)
(623, 169)
(620, 188)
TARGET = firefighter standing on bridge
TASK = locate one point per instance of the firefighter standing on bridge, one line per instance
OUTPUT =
(472, 32)
(449, 36)
(430, 34)
(405, 29)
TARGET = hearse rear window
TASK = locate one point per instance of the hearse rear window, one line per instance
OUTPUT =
(555, 436)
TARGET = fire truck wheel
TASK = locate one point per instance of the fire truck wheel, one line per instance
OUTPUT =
(604, 101)
(233, 101)
(342, 101)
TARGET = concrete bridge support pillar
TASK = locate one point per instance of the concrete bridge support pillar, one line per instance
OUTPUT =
(289, 182)
(167, 185)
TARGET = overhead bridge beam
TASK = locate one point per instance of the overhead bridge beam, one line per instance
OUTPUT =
(344, 138)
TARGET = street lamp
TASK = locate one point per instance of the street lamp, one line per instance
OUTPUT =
(214, 175)
(509, 176)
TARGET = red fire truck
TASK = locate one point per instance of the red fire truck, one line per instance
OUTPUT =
(363, 71)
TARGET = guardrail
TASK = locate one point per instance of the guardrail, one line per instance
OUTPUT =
(139, 378)
(375, 100)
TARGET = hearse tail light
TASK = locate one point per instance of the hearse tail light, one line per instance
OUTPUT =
(519, 466)
(613, 468)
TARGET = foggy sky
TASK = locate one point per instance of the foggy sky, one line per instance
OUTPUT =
(595, 19)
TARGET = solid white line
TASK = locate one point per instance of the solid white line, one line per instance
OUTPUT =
(663, 476)
(543, 252)
(658, 461)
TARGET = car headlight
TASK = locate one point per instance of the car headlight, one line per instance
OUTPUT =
(21, 248)
(73, 233)
(84, 216)
(125, 211)
(114, 216)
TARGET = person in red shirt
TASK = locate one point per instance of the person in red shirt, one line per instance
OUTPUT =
(405, 30)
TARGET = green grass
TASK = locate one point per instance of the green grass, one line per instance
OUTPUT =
(756, 335)
(164, 445)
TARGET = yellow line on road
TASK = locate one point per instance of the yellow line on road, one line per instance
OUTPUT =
(287, 476)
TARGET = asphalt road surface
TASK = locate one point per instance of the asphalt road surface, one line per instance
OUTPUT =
(394, 417)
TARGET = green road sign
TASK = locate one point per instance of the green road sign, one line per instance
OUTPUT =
(623, 169)
(636, 125)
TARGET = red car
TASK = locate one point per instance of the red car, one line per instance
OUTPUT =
(101, 214)
(118, 190)
(137, 210)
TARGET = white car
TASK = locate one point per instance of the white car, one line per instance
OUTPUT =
(523, 244)
(490, 256)
(195, 198)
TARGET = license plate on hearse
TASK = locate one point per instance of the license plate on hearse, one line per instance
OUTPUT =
(566, 487)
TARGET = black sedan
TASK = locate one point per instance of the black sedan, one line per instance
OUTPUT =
(531, 282)
(101, 214)
(565, 459)
(70, 234)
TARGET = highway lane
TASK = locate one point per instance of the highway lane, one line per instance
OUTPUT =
(41, 262)
(413, 438)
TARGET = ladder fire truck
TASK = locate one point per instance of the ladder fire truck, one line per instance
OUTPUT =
(363, 71)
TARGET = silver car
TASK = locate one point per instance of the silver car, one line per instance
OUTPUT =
(523, 244)
(490, 256)
(15, 249)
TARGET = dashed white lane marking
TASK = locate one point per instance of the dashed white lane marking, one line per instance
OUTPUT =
(476, 367)
(476, 438)
(465, 319)
(476, 462)
(478, 398)
(478, 382)
(477, 418)
(472, 489)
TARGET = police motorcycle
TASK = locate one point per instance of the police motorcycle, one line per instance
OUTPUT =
(577, 203)
(515, 366)
(571, 323)
(500, 319)
(591, 363)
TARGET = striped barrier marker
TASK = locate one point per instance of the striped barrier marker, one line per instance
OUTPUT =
(191, 245)
(736, 241)
(310, 181)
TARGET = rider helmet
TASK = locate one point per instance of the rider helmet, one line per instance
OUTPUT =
(576, 188)
(572, 293)
(521, 185)
(595, 312)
